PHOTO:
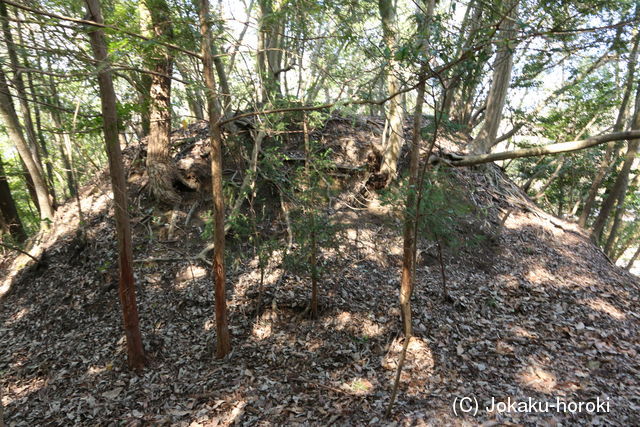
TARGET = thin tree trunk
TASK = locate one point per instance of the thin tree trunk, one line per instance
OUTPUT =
(393, 143)
(18, 81)
(312, 213)
(156, 17)
(127, 288)
(633, 259)
(269, 59)
(10, 118)
(560, 163)
(411, 210)
(611, 152)
(619, 214)
(41, 143)
(194, 97)
(8, 209)
(622, 180)
(501, 78)
(223, 341)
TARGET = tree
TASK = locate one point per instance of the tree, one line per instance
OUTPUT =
(156, 17)
(10, 119)
(223, 340)
(126, 289)
(611, 151)
(8, 209)
(502, 67)
(392, 143)
(622, 180)
(269, 61)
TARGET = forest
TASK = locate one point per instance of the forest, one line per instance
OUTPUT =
(319, 212)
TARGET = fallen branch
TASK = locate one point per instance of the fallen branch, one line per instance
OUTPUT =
(13, 248)
(562, 147)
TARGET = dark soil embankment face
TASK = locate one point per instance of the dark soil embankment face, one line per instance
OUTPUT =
(536, 311)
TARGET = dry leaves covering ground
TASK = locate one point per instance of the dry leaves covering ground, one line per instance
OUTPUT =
(538, 312)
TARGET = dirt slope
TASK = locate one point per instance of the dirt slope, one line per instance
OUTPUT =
(536, 312)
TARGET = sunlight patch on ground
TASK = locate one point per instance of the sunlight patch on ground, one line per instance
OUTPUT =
(97, 370)
(19, 315)
(521, 332)
(209, 325)
(605, 307)
(343, 320)
(189, 273)
(538, 275)
(261, 330)
(358, 386)
(538, 379)
(12, 394)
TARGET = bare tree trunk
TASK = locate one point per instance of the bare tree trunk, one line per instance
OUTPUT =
(8, 209)
(156, 17)
(501, 78)
(620, 186)
(223, 341)
(619, 214)
(40, 143)
(18, 81)
(127, 288)
(633, 259)
(10, 118)
(394, 141)
(560, 163)
(270, 33)
(194, 96)
(610, 153)
(313, 256)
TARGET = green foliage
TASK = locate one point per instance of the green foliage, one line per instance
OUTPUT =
(442, 209)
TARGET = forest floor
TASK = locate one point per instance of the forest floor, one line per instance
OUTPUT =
(535, 311)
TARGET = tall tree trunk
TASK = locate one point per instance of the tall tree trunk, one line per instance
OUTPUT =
(619, 215)
(223, 340)
(8, 209)
(611, 151)
(127, 288)
(64, 140)
(21, 92)
(502, 67)
(269, 61)
(41, 143)
(194, 96)
(10, 118)
(633, 259)
(156, 17)
(394, 141)
(461, 89)
(622, 180)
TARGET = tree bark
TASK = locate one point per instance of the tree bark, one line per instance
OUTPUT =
(633, 259)
(194, 96)
(562, 147)
(610, 153)
(395, 139)
(622, 180)
(126, 289)
(618, 217)
(502, 67)
(156, 17)
(269, 61)
(223, 341)
(18, 81)
(8, 209)
(10, 118)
